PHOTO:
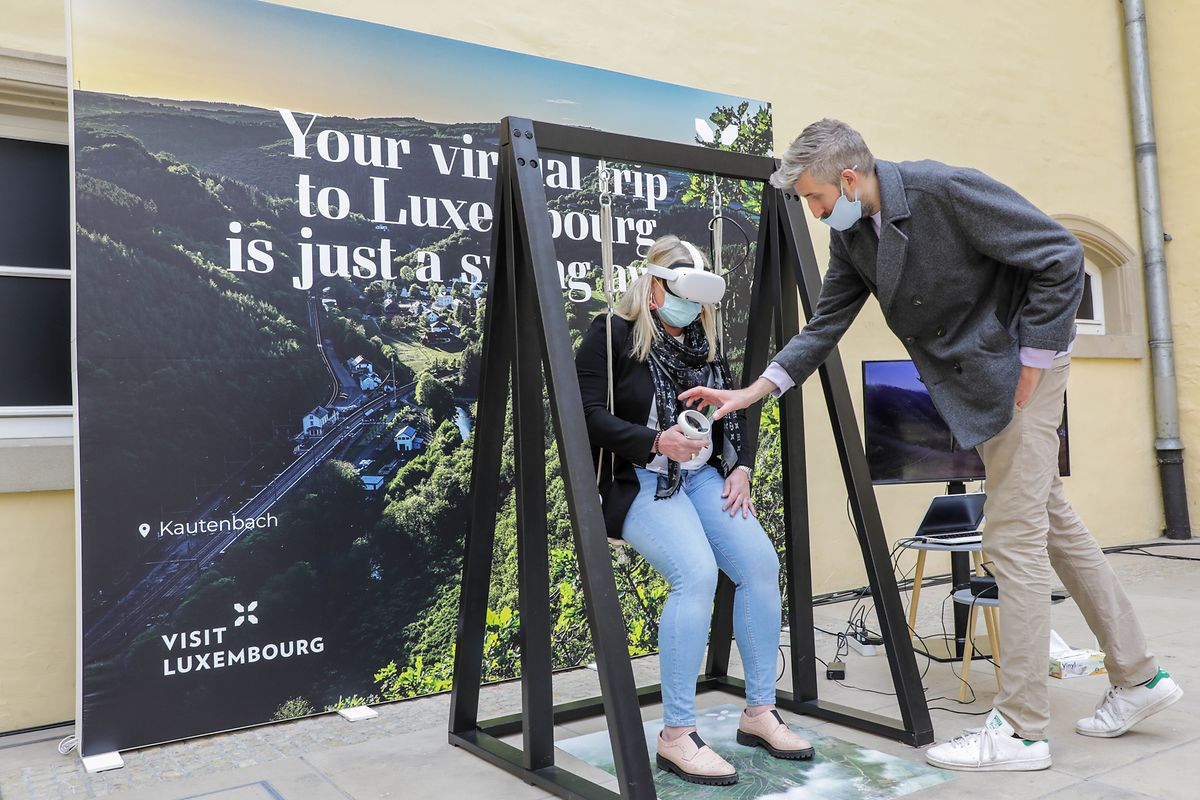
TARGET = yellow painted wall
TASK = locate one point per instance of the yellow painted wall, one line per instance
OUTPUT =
(1033, 93)
(36, 26)
(37, 609)
(1176, 85)
(37, 529)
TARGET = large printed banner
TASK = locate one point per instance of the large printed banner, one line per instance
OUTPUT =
(281, 261)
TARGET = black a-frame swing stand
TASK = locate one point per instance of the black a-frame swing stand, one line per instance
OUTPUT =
(526, 337)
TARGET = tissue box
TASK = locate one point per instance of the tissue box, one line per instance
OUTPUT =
(1076, 664)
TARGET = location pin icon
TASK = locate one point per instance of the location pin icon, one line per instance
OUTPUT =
(144, 529)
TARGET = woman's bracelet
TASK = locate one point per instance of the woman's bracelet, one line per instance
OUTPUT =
(654, 451)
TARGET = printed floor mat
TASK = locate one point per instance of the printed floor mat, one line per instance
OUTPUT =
(840, 770)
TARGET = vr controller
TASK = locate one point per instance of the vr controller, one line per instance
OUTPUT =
(695, 426)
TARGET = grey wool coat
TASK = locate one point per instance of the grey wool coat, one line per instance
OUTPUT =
(966, 272)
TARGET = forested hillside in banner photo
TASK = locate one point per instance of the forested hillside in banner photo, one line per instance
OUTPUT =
(340, 414)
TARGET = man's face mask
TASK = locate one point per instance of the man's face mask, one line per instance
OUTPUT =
(845, 211)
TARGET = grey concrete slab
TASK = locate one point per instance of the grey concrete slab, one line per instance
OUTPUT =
(1169, 775)
(416, 765)
(35, 748)
(1094, 790)
(281, 779)
(285, 779)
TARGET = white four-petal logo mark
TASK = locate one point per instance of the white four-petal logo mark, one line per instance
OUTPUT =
(245, 614)
(710, 134)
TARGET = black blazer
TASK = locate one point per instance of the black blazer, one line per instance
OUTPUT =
(624, 437)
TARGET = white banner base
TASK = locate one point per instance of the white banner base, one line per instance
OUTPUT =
(103, 762)
(357, 713)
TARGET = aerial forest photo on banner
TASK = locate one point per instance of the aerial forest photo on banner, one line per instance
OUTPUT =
(282, 260)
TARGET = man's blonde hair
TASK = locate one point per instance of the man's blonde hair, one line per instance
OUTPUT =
(634, 305)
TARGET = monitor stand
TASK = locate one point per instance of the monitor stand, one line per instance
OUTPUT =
(945, 649)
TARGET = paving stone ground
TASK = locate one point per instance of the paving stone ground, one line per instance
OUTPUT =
(403, 753)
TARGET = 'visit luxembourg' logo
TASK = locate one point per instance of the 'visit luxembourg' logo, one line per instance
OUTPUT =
(245, 614)
(215, 648)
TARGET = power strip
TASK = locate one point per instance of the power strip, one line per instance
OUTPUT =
(869, 648)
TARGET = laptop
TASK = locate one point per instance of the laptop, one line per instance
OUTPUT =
(953, 519)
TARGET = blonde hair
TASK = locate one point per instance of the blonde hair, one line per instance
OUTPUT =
(634, 305)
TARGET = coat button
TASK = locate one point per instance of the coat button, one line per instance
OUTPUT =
(958, 367)
(916, 301)
(941, 331)
(909, 339)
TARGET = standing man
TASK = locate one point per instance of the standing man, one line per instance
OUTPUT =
(982, 289)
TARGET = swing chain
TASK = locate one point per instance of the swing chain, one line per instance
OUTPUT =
(605, 173)
(716, 231)
(606, 285)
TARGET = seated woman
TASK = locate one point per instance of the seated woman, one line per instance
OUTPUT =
(685, 506)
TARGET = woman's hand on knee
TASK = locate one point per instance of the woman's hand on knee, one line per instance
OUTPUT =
(737, 494)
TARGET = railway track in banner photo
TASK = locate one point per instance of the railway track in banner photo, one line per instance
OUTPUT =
(190, 543)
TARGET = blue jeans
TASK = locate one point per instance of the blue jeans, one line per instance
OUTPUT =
(686, 538)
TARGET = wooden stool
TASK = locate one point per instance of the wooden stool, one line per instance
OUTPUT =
(922, 548)
(990, 619)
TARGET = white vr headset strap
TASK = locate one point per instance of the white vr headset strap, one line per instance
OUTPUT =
(697, 259)
(668, 274)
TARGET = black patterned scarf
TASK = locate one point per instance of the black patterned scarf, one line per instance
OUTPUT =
(675, 367)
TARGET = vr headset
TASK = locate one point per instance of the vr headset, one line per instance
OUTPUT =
(690, 281)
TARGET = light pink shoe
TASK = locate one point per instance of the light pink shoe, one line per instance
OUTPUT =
(691, 759)
(769, 731)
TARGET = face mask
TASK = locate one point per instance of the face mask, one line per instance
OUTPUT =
(678, 312)
(845, 212)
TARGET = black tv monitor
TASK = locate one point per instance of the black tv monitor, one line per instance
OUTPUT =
(906, 439)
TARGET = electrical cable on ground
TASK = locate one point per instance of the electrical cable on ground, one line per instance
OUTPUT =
(856, 622)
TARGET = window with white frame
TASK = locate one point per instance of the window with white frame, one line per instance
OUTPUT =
(1111, 317)
(35, 286)
(1090, 317)
(36, 402)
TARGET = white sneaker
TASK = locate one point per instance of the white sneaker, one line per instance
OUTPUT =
(992, 748)
(1122, 708)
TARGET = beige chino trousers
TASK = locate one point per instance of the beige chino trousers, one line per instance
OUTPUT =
(1031, 530)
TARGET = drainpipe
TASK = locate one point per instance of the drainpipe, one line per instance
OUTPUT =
(1167, 444)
